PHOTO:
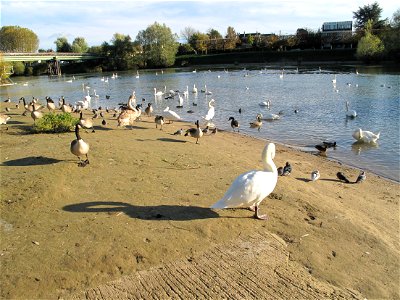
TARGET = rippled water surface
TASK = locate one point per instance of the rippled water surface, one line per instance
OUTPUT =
(373, 93)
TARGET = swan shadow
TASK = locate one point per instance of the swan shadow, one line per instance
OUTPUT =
(101, 128)
(31, 161)
(156, 212)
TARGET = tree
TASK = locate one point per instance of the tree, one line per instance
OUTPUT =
(121, 52)
(159, 46)
(79, 45)
(370, 47)
(231, 38)
(199, 41)
(368, 12)
(62, 45)
(18, 39)
(391, 37)
(187, 33)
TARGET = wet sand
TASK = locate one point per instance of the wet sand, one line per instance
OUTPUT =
(141, 205)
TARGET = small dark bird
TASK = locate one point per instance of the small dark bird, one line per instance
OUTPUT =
(361, 177)
(104, 122)
(190, 111)
(178, 132)
(206, 130)
(214, 131)
(296, 111)
(234, 123)
(280, 171)
(341, 177)
(287, 169)
(329, 144)
(149, 109)
(240, 110)
(159, 120)
(321, 148)
(107, 96)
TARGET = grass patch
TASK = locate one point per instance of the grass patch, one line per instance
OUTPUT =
(55, 123)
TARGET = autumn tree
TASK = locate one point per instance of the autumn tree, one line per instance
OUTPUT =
(62, 45)
(370, 46)
(18, 39)
(231, 38)
(199, 41)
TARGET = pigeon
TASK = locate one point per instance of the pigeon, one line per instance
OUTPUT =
(361, 177)
(280, 171)
(178, 132)
(315, 175)
(341, 177)
(287, 169)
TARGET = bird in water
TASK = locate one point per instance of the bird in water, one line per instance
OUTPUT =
(287, 169)
(315, 175)
(249, 189)
(321, 148)
(240, 110)
(234, 123)
(329, 144)
(361, 177)
(80, 148)
(341, 177)
(257, 123)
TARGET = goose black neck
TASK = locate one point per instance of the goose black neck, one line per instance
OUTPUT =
(78, 137)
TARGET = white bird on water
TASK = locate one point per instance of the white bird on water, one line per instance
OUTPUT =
(365, 136)
(249, 189)
(350, 113)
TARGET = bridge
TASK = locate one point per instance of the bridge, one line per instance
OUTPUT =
(47, 56)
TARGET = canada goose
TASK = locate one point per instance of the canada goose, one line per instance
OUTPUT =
(3, 120)
(249, 189)
(149, 109)
(86, 123)
(50, 104)
(234, 123)
(195, 132)
(159, 120)
(257, 123)
(79, 148)
(104, 122)
(65, 108)
(35, 114)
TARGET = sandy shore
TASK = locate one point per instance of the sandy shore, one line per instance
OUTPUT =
(141, 206)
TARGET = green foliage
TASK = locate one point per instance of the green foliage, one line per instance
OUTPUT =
(62, 45)
(18, 67)
(79, 45)
(370, 47)
(199, 42)
(55, 123)
(368, 12)
(18, 39)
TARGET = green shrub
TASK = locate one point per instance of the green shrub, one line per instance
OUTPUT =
(55, 123)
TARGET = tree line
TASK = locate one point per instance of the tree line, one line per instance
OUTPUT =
(157, 46)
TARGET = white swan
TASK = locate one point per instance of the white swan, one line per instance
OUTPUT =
(281, 75)
(334, 80)
(249, 189)
(158, 94)
(211, 111)
(180, 105)
(186, 93)
(171, 114)
(194, 90)
(365, 136)
(265, 103)
(270, 117)
(351, 113)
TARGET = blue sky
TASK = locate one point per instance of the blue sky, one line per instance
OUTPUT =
(97, 21)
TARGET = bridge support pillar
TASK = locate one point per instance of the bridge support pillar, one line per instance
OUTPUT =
(53, 67)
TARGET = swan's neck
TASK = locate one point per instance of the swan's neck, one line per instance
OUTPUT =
(268, 163)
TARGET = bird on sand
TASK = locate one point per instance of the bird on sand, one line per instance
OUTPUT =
(315, 175)
(249, 189)
(80, 148)
(195, 132)
(341, 177)
(361, 177)
(287, 169)
(179, 132)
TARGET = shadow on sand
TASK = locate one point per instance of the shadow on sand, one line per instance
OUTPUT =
(31, 161)
(158, 212)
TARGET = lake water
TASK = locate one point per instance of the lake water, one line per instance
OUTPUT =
(374, 93)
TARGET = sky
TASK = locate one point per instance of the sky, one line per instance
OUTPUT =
(97, 21)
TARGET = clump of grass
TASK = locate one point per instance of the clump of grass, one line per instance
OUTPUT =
(55, 123)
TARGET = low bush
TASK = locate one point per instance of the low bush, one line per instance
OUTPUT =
(55, 123)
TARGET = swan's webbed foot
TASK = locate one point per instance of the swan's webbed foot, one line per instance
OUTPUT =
(259, 217)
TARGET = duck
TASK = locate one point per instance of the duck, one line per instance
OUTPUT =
(249, 189)
(149, 109)
(350, 113)
(159, 120)
(321, 148)
(197, 133)
(315, 175)
(365, 136)
(35, 114)
(3, 119)
(86, 123)
(329, 144)
(211, 111)
(171, 115)
(80, 148)
(50, 104)
(234, 123)
(257, 123)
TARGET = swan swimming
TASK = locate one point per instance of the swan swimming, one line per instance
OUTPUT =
(365, 136)
(265, 103)
(350, 113)
(249, 189)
